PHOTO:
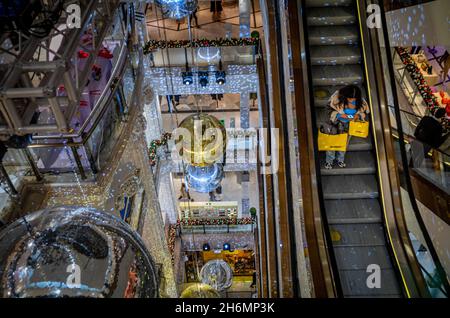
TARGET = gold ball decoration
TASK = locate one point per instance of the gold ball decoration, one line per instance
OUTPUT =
(199, 290)
(201, 140)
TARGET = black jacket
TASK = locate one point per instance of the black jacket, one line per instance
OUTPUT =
(429, 131)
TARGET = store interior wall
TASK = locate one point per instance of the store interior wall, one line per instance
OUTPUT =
(424, 24)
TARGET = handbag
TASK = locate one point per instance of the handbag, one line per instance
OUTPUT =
(332, 142)
(359, 129)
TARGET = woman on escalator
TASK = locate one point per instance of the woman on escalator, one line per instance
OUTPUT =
(345, 105)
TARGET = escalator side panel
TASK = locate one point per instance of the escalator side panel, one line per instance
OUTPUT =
(351, 194)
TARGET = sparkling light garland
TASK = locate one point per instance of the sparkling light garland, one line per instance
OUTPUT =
(155, 144)
(222, 221)
(173, 230)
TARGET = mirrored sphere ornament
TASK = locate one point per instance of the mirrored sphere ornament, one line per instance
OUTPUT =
(204, 179)
(208, 54)
(74, 252)
(199, 290)
(218, 274)
(177, 9)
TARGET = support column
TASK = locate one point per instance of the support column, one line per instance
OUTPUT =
(245, 7)
(6, 182)
(245, 124)
(245, 110)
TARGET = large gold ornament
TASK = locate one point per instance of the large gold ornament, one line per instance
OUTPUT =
(198, 290)
(201, 140)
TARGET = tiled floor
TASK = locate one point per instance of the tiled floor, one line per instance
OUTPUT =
(228, 25)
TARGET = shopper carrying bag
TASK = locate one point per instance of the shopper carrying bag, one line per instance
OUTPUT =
(346, 106)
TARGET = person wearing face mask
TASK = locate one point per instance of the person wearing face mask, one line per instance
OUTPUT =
(345, 105)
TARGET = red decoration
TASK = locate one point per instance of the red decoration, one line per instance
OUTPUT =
(82, 54)
(105, 53)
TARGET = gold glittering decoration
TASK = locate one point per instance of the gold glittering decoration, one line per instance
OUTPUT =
(198, 290)
(335, 236)
(321, 93)
(203, 140)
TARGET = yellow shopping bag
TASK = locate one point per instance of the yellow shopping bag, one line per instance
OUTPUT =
(359, 129)
(332, 142)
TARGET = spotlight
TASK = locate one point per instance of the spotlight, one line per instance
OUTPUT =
(203, 78)
(226, 247)
(206, 247)
(221, 77)
(188, 78)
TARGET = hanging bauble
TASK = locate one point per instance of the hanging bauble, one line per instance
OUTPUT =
(177, 9)
(74, 252)
(255, 35)
(218, 274)
(198, 290)
(203, 140)
(204, 179)
(208, 53)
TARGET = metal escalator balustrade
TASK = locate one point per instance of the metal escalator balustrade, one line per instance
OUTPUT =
(351, 195)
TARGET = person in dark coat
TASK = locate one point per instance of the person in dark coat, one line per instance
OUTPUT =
(216, 9)
(429, 135)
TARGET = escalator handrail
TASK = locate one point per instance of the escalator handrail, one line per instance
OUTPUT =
(321, 217)
(404, 159)
(411, 137)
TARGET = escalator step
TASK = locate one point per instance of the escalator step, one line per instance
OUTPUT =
(333, 55)
(360, 257)
(359, 235)
(354, 284)
(350, 187)
(360, 144)
(357, 163)
(353, 211)
(330, 16)
(336, 35)
(322, 116)
(328, 3)
(332, 75)
(320, 101)
(351, 194)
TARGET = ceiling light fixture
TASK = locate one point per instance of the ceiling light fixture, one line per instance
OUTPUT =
(203, 78)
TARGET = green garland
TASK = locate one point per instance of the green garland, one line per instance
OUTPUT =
(222, 221)
(154, 45)
(154, 145)
(425, 91)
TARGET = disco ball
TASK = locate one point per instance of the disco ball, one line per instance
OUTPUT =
(198, 290)
(204, 179)
(168, 2)
(203, 139)
(74, 252)
(218, 274)
(177, 9)
(208, 53)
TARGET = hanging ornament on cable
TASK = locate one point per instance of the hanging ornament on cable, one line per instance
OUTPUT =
(199, 290)
(218, 274)
(202, 141)
(204, 179)
(177, 9)
(208, 54)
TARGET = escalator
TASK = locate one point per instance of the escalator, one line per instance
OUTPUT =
(352, 202)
